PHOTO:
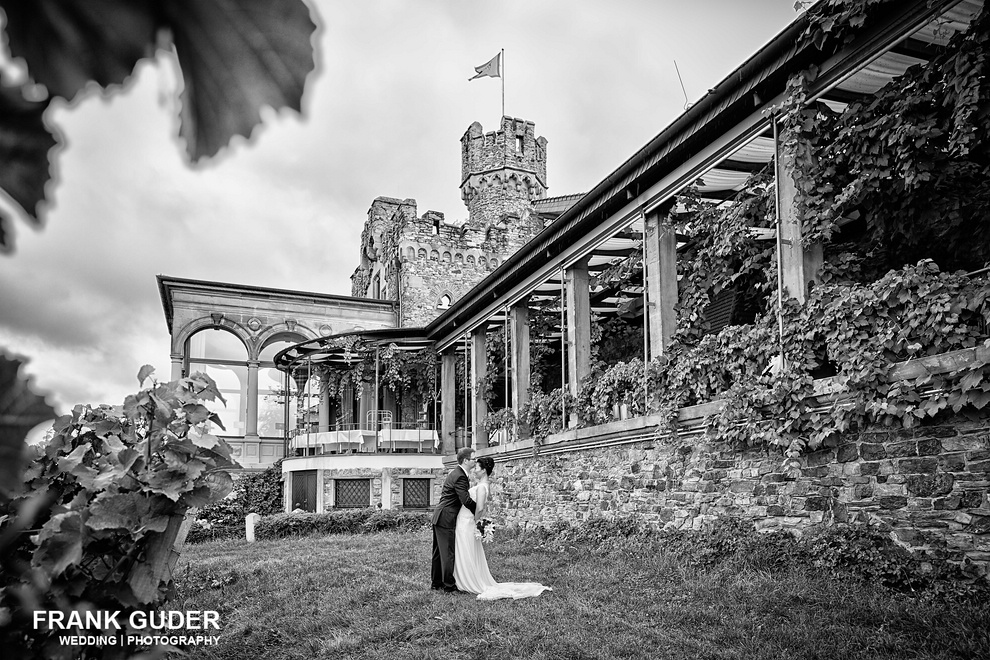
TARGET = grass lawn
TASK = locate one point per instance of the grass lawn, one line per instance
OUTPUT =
(368, 596)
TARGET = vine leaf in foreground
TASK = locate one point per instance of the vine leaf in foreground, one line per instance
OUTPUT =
(235, 57)
(20, 411)
(24, 146)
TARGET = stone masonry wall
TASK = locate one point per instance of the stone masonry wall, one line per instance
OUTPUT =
(927, 486)
(386, 484)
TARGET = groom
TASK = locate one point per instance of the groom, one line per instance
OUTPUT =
(453, 496)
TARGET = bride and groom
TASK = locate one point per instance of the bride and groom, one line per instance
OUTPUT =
(459, 562)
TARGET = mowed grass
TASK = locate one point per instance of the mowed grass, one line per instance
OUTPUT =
(368, 596)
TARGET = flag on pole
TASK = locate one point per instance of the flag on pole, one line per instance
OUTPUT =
(492, 68)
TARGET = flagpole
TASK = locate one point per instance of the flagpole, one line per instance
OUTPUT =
(503, 81)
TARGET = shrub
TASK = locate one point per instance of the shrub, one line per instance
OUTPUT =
(260, 493)
(309, 524)
(396, 520)
(341, 521)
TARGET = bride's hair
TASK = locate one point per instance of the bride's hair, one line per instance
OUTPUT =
(487, 463)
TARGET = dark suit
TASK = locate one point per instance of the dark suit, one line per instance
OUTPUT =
(453, 496)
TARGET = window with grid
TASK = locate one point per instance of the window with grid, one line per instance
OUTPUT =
(415, 493)
(352, 493)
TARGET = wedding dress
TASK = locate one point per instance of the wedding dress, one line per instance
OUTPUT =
(471, 566)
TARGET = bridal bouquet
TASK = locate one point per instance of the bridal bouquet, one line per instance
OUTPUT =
(485, 531)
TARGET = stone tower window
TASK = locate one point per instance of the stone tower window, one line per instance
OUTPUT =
(519, 144)
(444, 302)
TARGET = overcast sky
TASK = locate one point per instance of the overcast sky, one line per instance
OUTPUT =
(383, 115)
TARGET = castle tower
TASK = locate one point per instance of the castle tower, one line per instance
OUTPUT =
(502, 172)
(425, 263)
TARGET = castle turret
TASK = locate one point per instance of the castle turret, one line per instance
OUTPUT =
(502, 172)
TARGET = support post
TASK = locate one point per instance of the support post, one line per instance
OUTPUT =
(324, 419)
(578, 327)
(519, 323)
(661, 269)
(177, 361)
(479, 371)
(251, 424)
(800, 265)
(448, 398)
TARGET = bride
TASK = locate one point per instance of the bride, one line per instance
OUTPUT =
(470, 564)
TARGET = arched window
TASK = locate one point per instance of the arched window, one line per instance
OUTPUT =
(223, 357)
(444, 302)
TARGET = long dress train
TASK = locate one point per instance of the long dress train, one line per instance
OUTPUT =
(471, 566)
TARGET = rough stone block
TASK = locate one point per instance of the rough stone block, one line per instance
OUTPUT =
(892, 502)
(952, 462)
(979, 466)
(869, 468)
(978, 455)
(947, 503)
(970, 499)
(930, 485)
(816, 503)
(917, 465)
(863, 492)
(846, 453)
(980, 524)
(963, 443)
(901, 449)
(929, 447)
(747, 487)
(920, 503)
(872, 452)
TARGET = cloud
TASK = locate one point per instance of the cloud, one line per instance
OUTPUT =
(385, 114)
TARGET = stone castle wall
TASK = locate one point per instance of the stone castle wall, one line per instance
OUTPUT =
(929, 486)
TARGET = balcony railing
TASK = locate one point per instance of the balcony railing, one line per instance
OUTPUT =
(358, 438)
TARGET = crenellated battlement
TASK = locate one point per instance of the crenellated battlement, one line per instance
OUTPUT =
(422, 261)
(514, 147)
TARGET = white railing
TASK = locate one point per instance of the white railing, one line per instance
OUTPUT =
(378, 433)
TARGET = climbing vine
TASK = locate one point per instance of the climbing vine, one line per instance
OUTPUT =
(896, 187)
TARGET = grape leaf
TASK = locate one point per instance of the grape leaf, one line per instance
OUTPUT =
(220, 484)
(68, 44)
(73, 460)
(144, 372)
(237, 56)
(24, 146)
(196, 412)
(20, 411)
(131, 511)
(59, 543)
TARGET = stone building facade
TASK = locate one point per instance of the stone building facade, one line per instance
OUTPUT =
(928, 486)
(425, 263)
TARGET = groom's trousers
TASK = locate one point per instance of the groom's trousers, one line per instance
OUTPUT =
(442, 573)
